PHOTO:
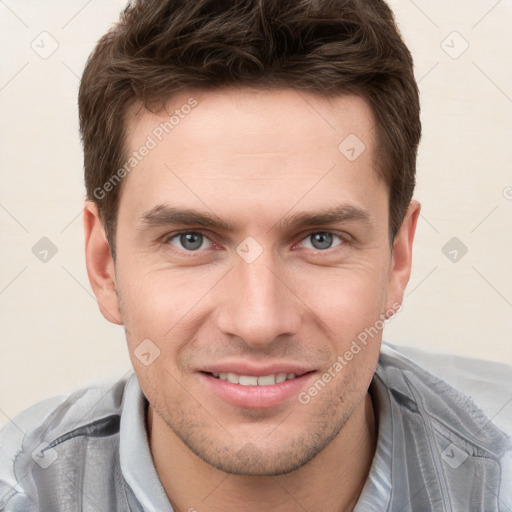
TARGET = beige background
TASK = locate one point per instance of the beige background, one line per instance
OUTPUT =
(53, 338)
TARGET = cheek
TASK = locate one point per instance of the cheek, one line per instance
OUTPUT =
(165, 306)
(347, 300)
(160, 295)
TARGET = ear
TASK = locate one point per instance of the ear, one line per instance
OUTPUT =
(401, 259)
(100, 265)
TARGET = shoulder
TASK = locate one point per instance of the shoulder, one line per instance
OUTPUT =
(486, 383)
(49, 434)
(445, 416)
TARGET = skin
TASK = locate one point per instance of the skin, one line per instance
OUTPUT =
(254, 158)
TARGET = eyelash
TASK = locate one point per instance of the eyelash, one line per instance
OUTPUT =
(167, 238)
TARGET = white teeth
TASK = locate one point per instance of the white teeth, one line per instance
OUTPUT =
(245, 380)
(231, 377)
(266, 380)
(280, 377)
(250, 380)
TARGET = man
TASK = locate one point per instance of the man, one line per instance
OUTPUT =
(250, 168)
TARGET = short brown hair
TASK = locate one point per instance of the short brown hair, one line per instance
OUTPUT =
(160, 48)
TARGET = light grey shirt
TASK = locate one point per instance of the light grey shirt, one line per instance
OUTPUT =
(436, 450)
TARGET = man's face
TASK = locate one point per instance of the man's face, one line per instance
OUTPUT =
(266, 296)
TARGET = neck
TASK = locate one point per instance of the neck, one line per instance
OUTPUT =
(331, 482)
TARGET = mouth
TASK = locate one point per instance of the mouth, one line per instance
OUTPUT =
(254, 380)
(263, 391)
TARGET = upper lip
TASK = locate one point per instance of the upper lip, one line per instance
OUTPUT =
(246, 368)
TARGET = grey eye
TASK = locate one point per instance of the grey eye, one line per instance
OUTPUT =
(190, 241)
(322, 240)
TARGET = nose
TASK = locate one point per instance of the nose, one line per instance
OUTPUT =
(258, 304)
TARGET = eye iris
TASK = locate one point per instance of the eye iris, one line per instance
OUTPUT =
(319, 240)
(324, 240)
(195, 239)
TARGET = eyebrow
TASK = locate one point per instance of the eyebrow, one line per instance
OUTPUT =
(165, 215)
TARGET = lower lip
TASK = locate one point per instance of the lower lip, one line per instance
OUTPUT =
(255, 397)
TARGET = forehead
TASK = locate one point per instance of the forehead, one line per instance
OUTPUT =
(215, 115)
(269, 147)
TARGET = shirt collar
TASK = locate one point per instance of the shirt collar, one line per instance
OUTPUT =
(376, 493)
(136, 461)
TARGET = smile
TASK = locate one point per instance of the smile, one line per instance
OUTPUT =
(252, 380)
(255, 391)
